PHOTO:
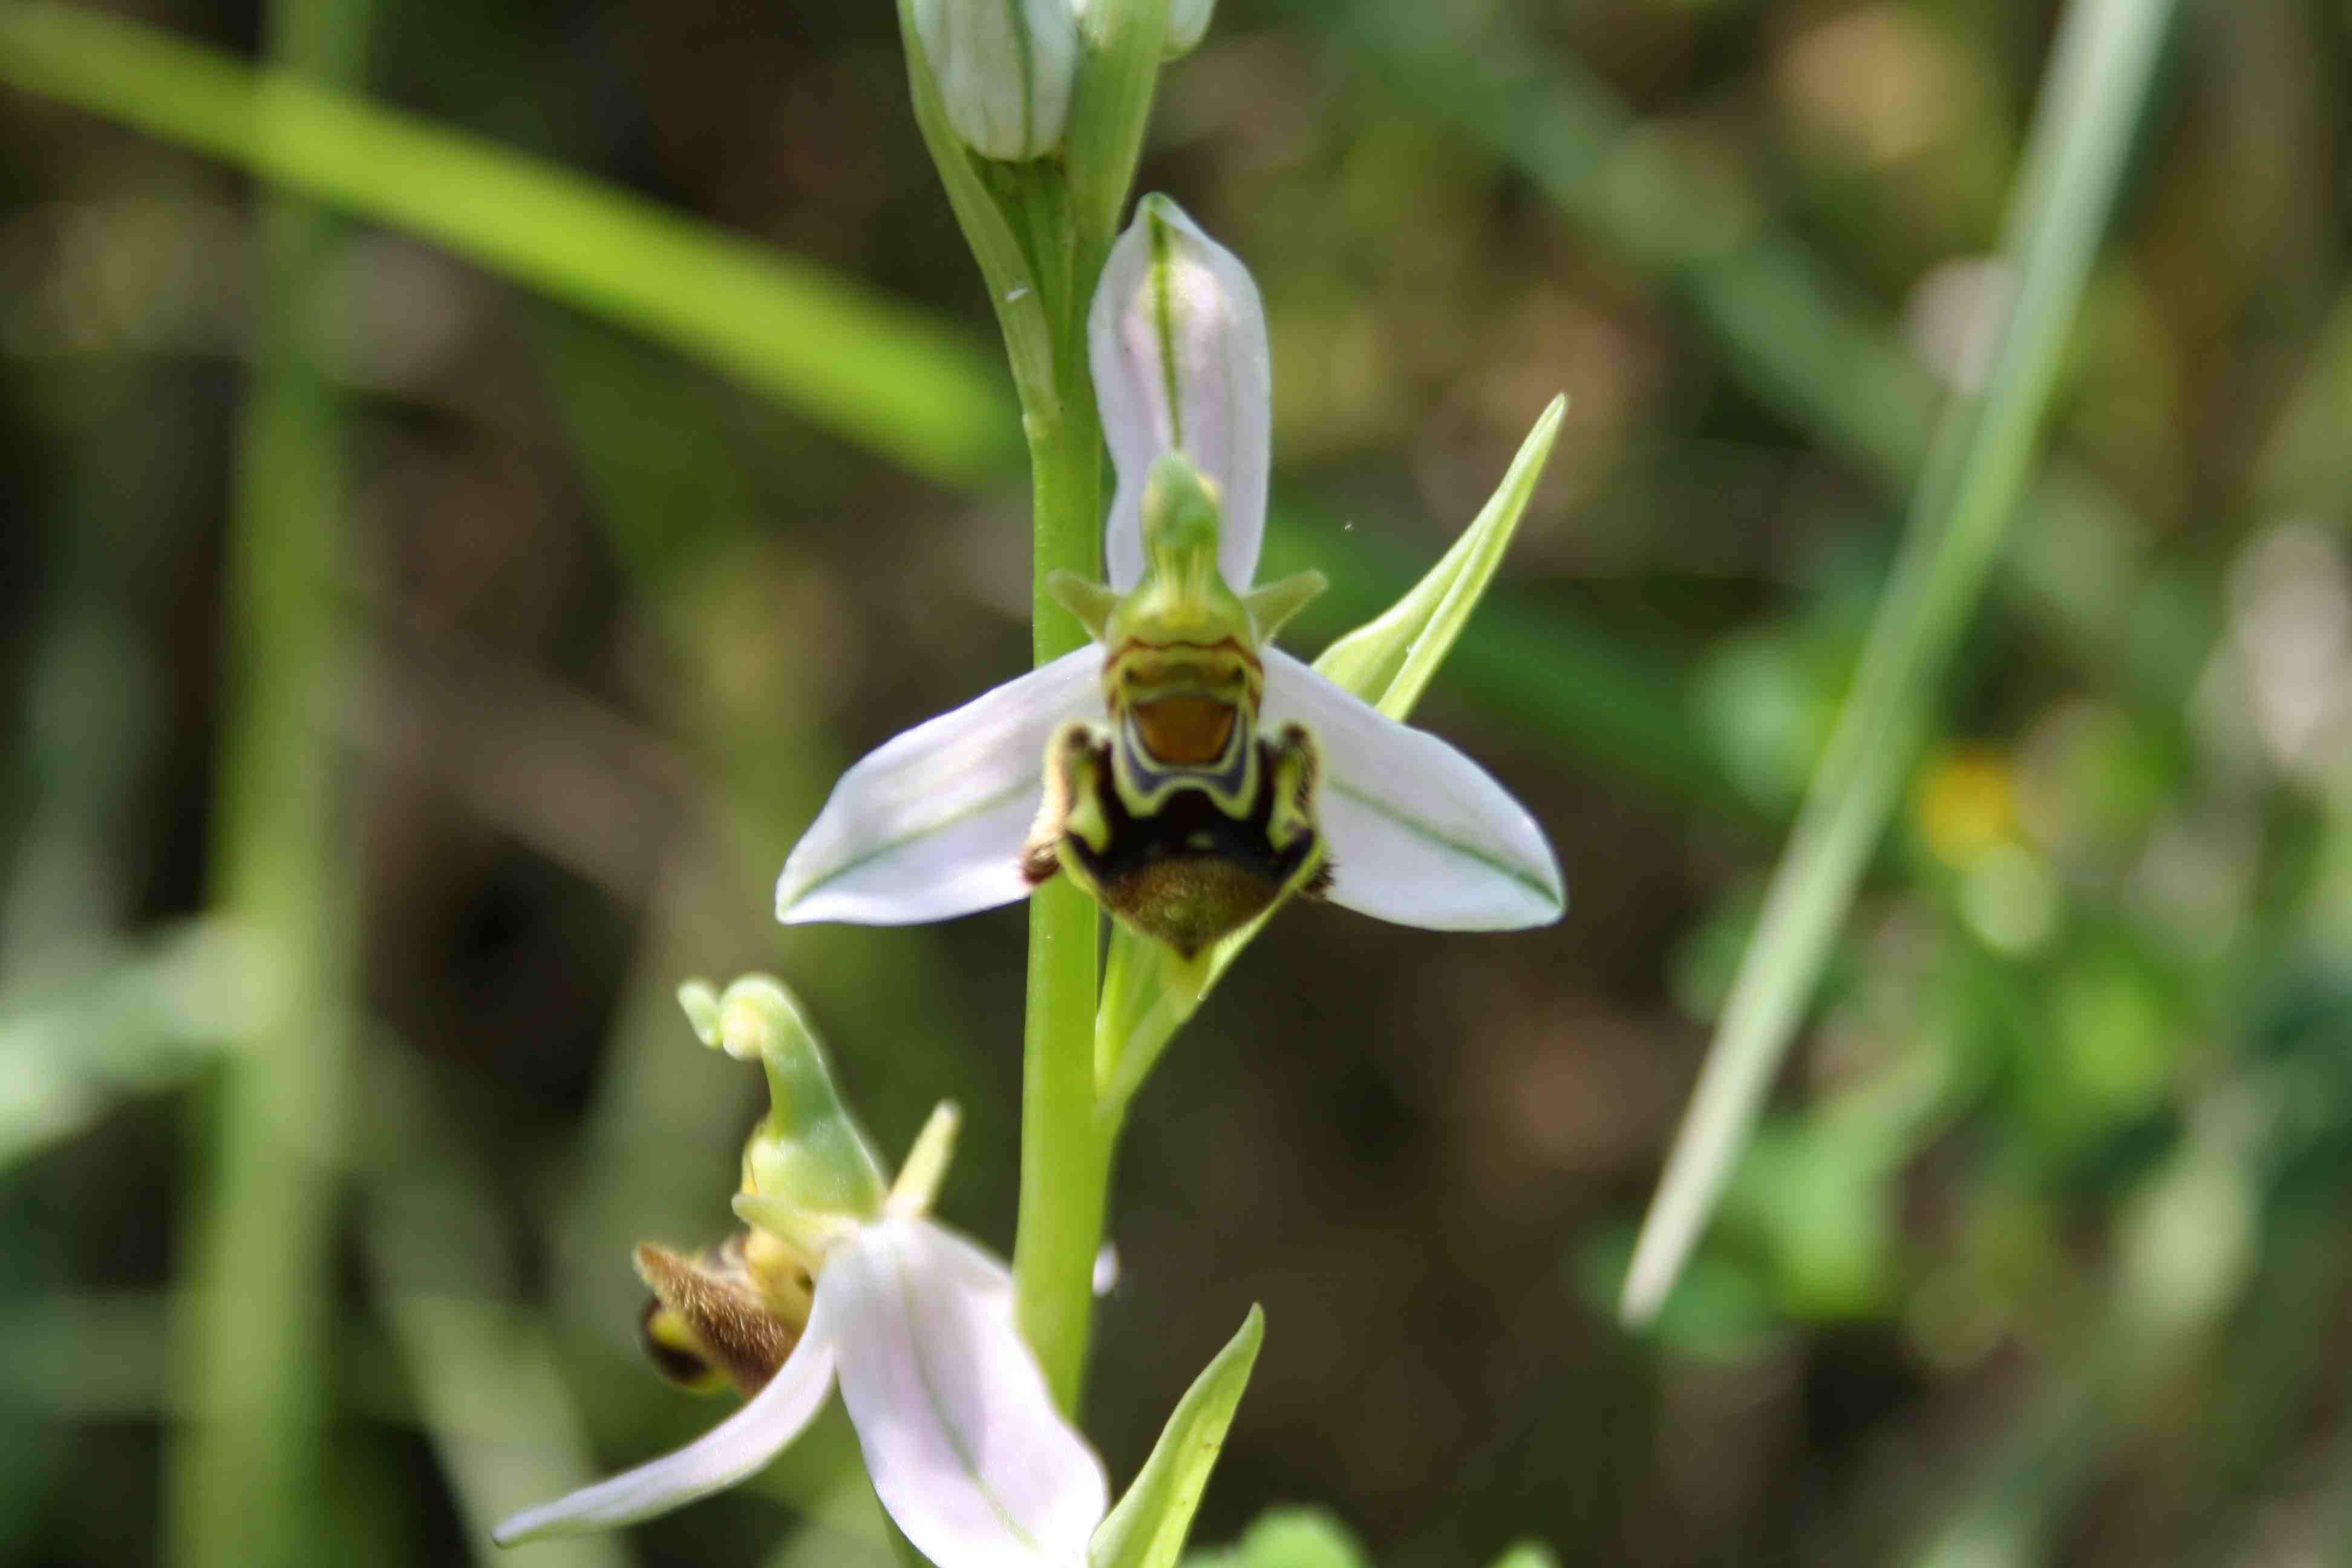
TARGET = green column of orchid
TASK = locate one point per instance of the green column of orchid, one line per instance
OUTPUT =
(1039, 209)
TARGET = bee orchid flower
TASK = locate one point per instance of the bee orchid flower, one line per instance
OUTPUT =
(841, 1279)
(1180, 767)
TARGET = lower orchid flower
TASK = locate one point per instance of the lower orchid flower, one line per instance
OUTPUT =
(1182, 770)
(842, 1279)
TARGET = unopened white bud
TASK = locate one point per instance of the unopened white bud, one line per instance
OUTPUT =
(1188, 22)
(1004, 69)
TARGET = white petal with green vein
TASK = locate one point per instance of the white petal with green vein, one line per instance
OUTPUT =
(1177, 339)
(929, 824)
(960, 1432)
(1004, 69)
(1417, 832)
(737, 1447)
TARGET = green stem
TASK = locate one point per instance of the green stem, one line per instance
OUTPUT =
(1065, 1165)
(1040, 231)
(243, 1482)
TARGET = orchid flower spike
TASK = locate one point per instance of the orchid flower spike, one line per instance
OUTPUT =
(1005, 70)
(1180, 768)
(841, 1278)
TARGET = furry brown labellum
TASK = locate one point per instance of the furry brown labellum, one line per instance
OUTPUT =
(710, 1325)
(1185, 866)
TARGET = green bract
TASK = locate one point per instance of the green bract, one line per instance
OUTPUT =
(1147, 1528)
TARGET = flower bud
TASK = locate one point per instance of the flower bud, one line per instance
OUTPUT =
(1188, 21)
(1004, 69)
(1179, 348)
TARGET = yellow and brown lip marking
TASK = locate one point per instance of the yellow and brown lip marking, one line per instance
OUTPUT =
(1187, 699)
(1187, 731)
(1189, 866)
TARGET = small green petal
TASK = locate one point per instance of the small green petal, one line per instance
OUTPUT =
(809, 1151)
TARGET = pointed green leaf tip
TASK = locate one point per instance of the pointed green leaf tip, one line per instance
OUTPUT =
(1147, 1528)
(1389, 661)
(1527, 1555)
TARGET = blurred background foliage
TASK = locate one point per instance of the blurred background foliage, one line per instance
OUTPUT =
(634, 539)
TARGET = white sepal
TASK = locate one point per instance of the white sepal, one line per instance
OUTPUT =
(1417, 832)
(1177, 339)
(1004, 68)
(930, 823)
(960, 1436)
(736, 1448)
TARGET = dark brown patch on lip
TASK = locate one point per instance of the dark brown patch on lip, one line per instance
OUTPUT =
(1189, 872)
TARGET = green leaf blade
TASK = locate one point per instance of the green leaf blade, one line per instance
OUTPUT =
(1389, 660)
(868, 368)
(1146, 1530)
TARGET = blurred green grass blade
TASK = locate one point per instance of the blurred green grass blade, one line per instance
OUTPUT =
(244, 1474)
(874, 373)
(493, 1402)
(2101, 71)
(488, 1392)
(140, 1019)
(1800, 340)
(868, 370)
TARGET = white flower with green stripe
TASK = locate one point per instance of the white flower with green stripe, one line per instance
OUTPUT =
(841, 1279)
(1180, 767)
